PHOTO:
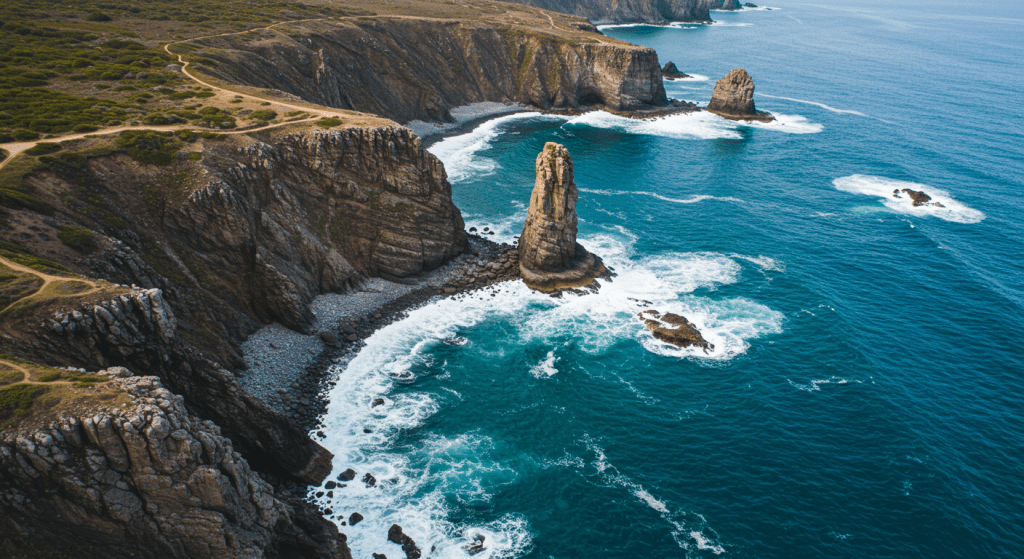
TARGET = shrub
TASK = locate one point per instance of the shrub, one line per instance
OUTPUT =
(179, 95)
(84, 128)
(328, 122)
(18, 399)
(49, 377)
(205, 94)
(78, 238)
(98, 16)
(263, 115)
(147, 146)
(43, 148)
(24, 135)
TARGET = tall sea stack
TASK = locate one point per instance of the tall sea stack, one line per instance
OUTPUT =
(550, 259)
(733, 98)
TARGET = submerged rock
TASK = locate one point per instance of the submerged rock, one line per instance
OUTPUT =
(672, 72)
(550, 259)
(675, 329)
(733, 98)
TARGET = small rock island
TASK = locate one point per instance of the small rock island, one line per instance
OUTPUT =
(733, 98)
(671, 72)
(550, 259)
(675, 329)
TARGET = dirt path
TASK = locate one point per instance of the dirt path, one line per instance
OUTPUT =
(26, 375)
(47, 280)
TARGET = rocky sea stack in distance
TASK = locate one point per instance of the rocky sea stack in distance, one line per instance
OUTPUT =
(550, 259)
(733, 98)
(671, 72)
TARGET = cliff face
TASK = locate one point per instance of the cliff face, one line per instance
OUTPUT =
(144, 478)
(631, 11)
(413, 69)
(234, 232)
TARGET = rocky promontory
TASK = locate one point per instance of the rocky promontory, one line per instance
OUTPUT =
(635, 11)
(550, 259)
(733, 98)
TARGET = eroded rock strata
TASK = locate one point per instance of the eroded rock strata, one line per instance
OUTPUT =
(421, 69)
(733, 98)
(138, 475)
(550, 259)
(634, 11)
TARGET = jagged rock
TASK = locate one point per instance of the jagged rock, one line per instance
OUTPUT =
(550, 259)
(395, 535)
(671, 72)
(733, 98)
(674, 329)
(477, 546)
(920, 198)
(347, 475)
(143, 479)
(354, 519)
(369, 480)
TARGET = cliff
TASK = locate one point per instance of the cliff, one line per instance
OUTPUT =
(225, 234)
(419, 69)
(631, 11)
(134, 474)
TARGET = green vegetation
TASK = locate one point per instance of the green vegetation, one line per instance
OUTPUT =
(43, 148)
(264, 115)
(10, 376)
(49, 377)
(19, 255)
(18, 399)
(16, 285)
(78, 238)
(147, 146)
(328, 122)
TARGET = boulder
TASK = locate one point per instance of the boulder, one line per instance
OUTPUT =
(675, 329)
(347, 475)
(550, 259)
(329, 338)
(395, 535)
(354, 519)
(670, 71)
(733, 98)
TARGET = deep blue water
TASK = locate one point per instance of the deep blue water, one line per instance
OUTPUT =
(865, 397)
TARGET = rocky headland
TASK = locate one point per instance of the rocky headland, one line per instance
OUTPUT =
(733, 98)
(550, 259)
(638, 11)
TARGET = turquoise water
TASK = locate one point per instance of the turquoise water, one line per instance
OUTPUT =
(864, 398)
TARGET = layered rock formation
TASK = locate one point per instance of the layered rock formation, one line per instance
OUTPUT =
(733, 98)
(137, 475)
(633, 11)
(550, 259)
(674, 329)
(414, 69)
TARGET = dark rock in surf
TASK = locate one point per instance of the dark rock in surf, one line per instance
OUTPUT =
(395, 535)
(675, 329)
(354, 519)
(670, 71)
(347, 475)
(733, 98)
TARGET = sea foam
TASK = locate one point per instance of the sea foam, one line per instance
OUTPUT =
(883, 187)
(461, 153)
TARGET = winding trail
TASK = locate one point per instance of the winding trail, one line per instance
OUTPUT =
(47, 280)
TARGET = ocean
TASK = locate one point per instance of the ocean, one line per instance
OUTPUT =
(864, 397)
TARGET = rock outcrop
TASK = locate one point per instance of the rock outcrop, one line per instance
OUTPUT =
(550, 259)
(919, 198)
(670, 71)
(733, 98)
(420, 69)
(731, 5)
(674, 329)
(137, 475)
(635, 11)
